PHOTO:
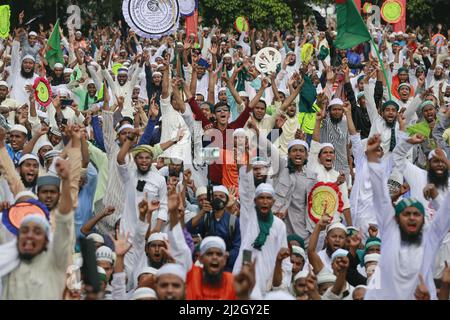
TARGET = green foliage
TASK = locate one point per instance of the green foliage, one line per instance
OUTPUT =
(261, 13)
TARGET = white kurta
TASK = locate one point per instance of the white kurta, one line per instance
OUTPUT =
(277, 239)
(397, 273)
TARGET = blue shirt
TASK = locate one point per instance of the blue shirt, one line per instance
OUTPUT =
(221, 229)
(14, 155)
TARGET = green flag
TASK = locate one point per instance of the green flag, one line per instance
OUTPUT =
(308, 96)
(54, 53)
(5, 14)
(351, 29)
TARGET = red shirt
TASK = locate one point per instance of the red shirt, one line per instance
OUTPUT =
(216, 169)
(196, 290)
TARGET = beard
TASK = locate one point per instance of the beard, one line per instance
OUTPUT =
(155, 264)
(214, 280)
(390, 124)
(438, 181)
(292, 63)
(259, 181)
(26, 257)
(335, 120)
(415, 238)
(26, 75)
(143, 172)
(29, 184)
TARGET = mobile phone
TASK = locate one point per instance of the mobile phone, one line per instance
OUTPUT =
(246, 257)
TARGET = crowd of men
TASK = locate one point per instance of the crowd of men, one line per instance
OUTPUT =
(124, 156)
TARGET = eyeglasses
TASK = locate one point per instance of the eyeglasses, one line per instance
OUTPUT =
(222, 110)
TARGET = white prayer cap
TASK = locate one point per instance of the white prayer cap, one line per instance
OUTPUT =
(78, 32)
(68, 70)
(299, 251)
(301, 274)
(43, 143)
(122, 70)
(324, 145)
(373, 257)
(157, 236)
(338, 254)
(26, 157)
(220, 189)
(325, 277)
(222, 89)
(58, 66)
(90, 81)
(125, 126)
(298, 142)
(284, 91)
(38, 219)
(259, 161)
(137, 87)
(200, 191)
(264, 188)
(440, 66)
(278, 295)
(4, 84)
(96, 238)
(243, 94)
(63, 92)
(227, 55)
(20, 128)
(205, 29)
(336, 101)
(156, 73)
(55, 131)
(51, 154)
(25, 193)
(32, 33)
(336, 225)
(240, 132)
(104, 254)
(433, 154)
(290, 52)
(143, 293)
(148, 270)
(174, 269)
(212, 242)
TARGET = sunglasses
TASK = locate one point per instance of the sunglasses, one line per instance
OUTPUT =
(221, 110)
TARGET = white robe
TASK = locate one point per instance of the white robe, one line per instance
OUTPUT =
(397, 274)
(277, 239)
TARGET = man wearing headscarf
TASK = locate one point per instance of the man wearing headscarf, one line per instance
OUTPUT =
(34, 266)
(411, 242)
(437, 173)
(210, 282)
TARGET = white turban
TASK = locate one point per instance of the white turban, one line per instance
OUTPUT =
(220, 189)
(20, 128)
(174, 269)
(212, 242)
(157, 236)
(336, 225)
(298, 142)
(28, 56)
(299, 251)
(324, 145)
(125, 126)
(373, 257)
(28, 156)
(38, 219)
(264, 188)
(142, 293)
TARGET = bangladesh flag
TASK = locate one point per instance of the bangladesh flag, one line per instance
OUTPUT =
(54, 52)
(351, 29)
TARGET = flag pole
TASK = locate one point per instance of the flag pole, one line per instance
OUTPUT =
(382, 67)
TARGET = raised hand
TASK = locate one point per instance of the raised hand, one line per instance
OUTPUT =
(107, 211)
(121, 245)
(324, 220)
(63, 168)
(416, 139)
(430, 191)
(341, 178)
(282, 254)
(422, 292)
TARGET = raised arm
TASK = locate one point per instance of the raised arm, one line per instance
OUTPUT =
(313, 257)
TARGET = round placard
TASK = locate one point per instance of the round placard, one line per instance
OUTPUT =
(241, 24)
(307, 52)
(267, 60)
(151, 18)
(325, 197)
(12, 217)
(187, 7)
(438, 40)
(392, 11)
(42, 91)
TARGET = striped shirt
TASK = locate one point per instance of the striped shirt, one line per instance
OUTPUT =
(337, 135)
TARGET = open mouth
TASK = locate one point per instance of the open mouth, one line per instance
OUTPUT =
(411, 227)
(28, 245)
(298, 160)
(214, 267)
(30, 176)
